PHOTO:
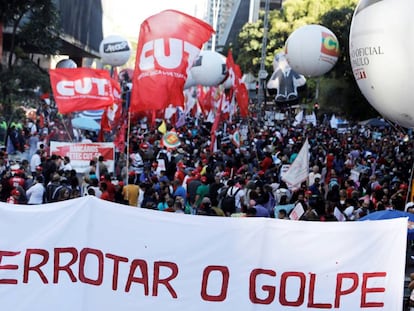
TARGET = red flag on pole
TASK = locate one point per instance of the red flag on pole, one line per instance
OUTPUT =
(242, 98)
(239, 88)
(215, 125)
(168, 44)
(119, 140)
(77, 89)
(112, 114)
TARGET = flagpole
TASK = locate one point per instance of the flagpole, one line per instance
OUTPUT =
(66, 127)
(410, 187)
(127, 153)
(250, 131)
(261, 93)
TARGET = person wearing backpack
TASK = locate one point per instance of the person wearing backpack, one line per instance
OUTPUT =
(51, 188)
(228, 203)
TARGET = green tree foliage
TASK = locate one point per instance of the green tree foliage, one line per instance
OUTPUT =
(339, 83)
(43, 25)
(34, 28)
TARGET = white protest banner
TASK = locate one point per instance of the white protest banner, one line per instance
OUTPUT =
(88, 254)
(80, 154)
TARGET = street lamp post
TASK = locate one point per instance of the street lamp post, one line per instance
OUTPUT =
(261, 96)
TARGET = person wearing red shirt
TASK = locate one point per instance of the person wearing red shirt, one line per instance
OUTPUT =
(14, 197)
(267, 162)
(350, 187)
(17, 179)
(180, 173)
(110, 187)
(105, 193)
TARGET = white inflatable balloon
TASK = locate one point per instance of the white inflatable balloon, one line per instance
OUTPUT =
(381, 50)
(229, 82)
(114, 50)
(66, 63)
(285, 81)
(312, 50)
(209, 69)
(189, 82)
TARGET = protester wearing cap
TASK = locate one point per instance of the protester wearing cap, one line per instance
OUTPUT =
(14, 197)
(180, 172)
(17, 178)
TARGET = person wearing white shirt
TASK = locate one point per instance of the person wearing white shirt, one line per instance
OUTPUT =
(35, 193)
(66, 166)
(35, 161)
(312, 174)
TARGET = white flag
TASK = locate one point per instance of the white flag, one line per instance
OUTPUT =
(333, 122)
(297, 212)
(311, 118)
(299, 170)
(298, 118)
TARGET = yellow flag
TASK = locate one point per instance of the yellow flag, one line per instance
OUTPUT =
(162, 128)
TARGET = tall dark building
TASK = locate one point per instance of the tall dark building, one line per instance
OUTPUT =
(82, 27)
(232, 15)
(82, 31)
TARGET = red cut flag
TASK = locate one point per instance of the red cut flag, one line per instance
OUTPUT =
(77, 89)
(168, 44)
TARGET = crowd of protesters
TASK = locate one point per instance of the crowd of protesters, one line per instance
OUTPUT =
(351, 173)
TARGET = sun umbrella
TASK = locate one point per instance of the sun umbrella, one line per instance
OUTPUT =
(389, 214)
(91, 114)
(87, 124)
(375, 122)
